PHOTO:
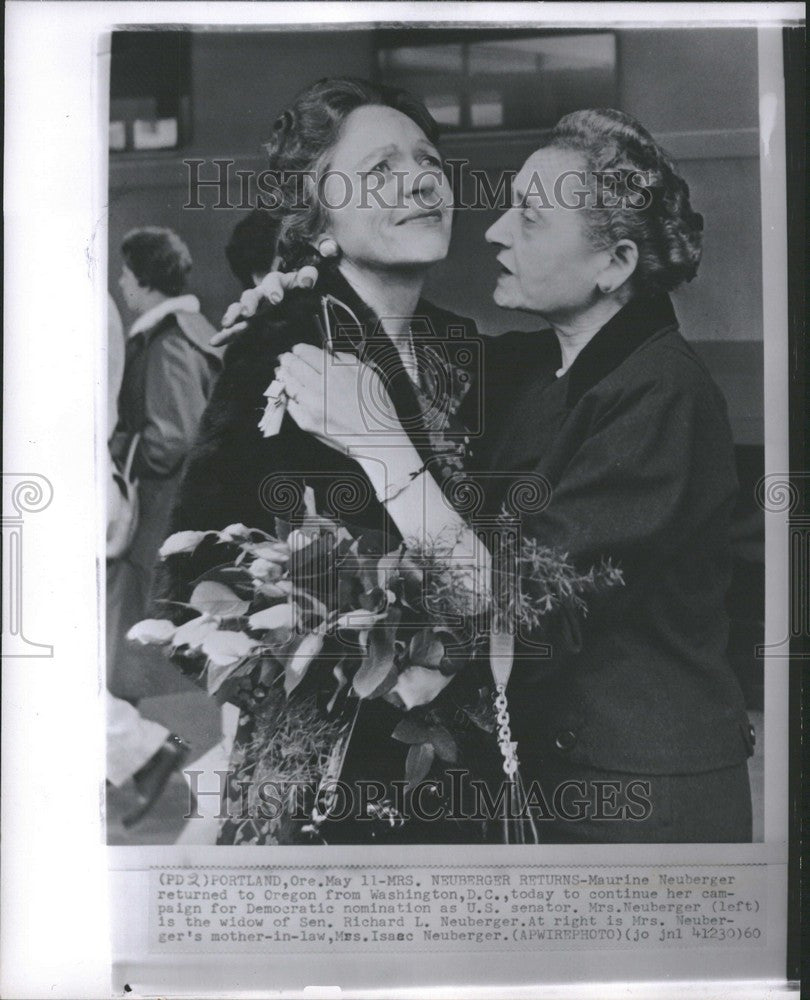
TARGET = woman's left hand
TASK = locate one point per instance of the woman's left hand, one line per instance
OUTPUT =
(338, 399)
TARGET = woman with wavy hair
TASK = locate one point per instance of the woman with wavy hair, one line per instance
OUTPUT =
(631, 723)
(361, 191)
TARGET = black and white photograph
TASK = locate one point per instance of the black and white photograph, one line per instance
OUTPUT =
(323, 494)
(431, 414)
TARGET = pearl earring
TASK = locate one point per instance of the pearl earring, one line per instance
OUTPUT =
(328, 247)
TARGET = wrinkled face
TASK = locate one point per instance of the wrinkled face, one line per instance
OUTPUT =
(132, 291)
(547, 264)
(388, 203)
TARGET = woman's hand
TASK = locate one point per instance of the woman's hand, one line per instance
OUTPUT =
(345, 404)
(271, 289)
(340, 400)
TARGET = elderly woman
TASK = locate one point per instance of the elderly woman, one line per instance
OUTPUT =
(633, 724)
(632, 435)
(374, 254)
(375, 212)
(169, 373)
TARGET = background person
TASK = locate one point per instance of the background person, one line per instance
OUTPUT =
(137, 748)
(251, 249)
(169, 373)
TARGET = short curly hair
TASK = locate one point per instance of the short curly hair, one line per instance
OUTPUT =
(158, 258)
(661, 222)
(303, 139)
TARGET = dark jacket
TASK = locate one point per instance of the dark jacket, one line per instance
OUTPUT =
(635, 445)
(235, 475)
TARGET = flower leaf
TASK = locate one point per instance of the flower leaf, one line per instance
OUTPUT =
(426, 650)
(411, 730)
(217, 674)
(374, 679)
(297, 661)
(481, 711)
(226, 648)
(378, 665)
(234, 533)
(458, 651)
(410, 583)
(373, 600)
(279, 619)
(275, 589)
(418, 762)
(276, 552)
(182, 541)
(298, 539)
(265, 569)
(194, 632)
(235, 577)
(420, 685)
(213, 598)
(444, 744)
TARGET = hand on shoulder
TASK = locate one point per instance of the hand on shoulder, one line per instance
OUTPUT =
(270, 290)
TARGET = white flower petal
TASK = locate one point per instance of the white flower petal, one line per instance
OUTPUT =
(193, 633)
(224, 648)
(298, 539)
(277, 552)
(151, 632)
(279, 616)
(234, 532)
(419, 685)
(275, 589)
(181, 541)
(260, 569)
(213, 598)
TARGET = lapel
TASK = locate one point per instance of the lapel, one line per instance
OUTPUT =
(534, 421)
(632, 325)
(364, 335)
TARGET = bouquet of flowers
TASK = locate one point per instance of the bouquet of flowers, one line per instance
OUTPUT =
(301, 627)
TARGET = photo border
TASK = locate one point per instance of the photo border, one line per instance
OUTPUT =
(77, 230)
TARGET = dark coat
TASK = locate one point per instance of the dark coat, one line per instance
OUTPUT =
(635, 444)
(169, 374)
(235, 475)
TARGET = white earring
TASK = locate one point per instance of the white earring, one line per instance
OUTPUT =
(327, 247)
